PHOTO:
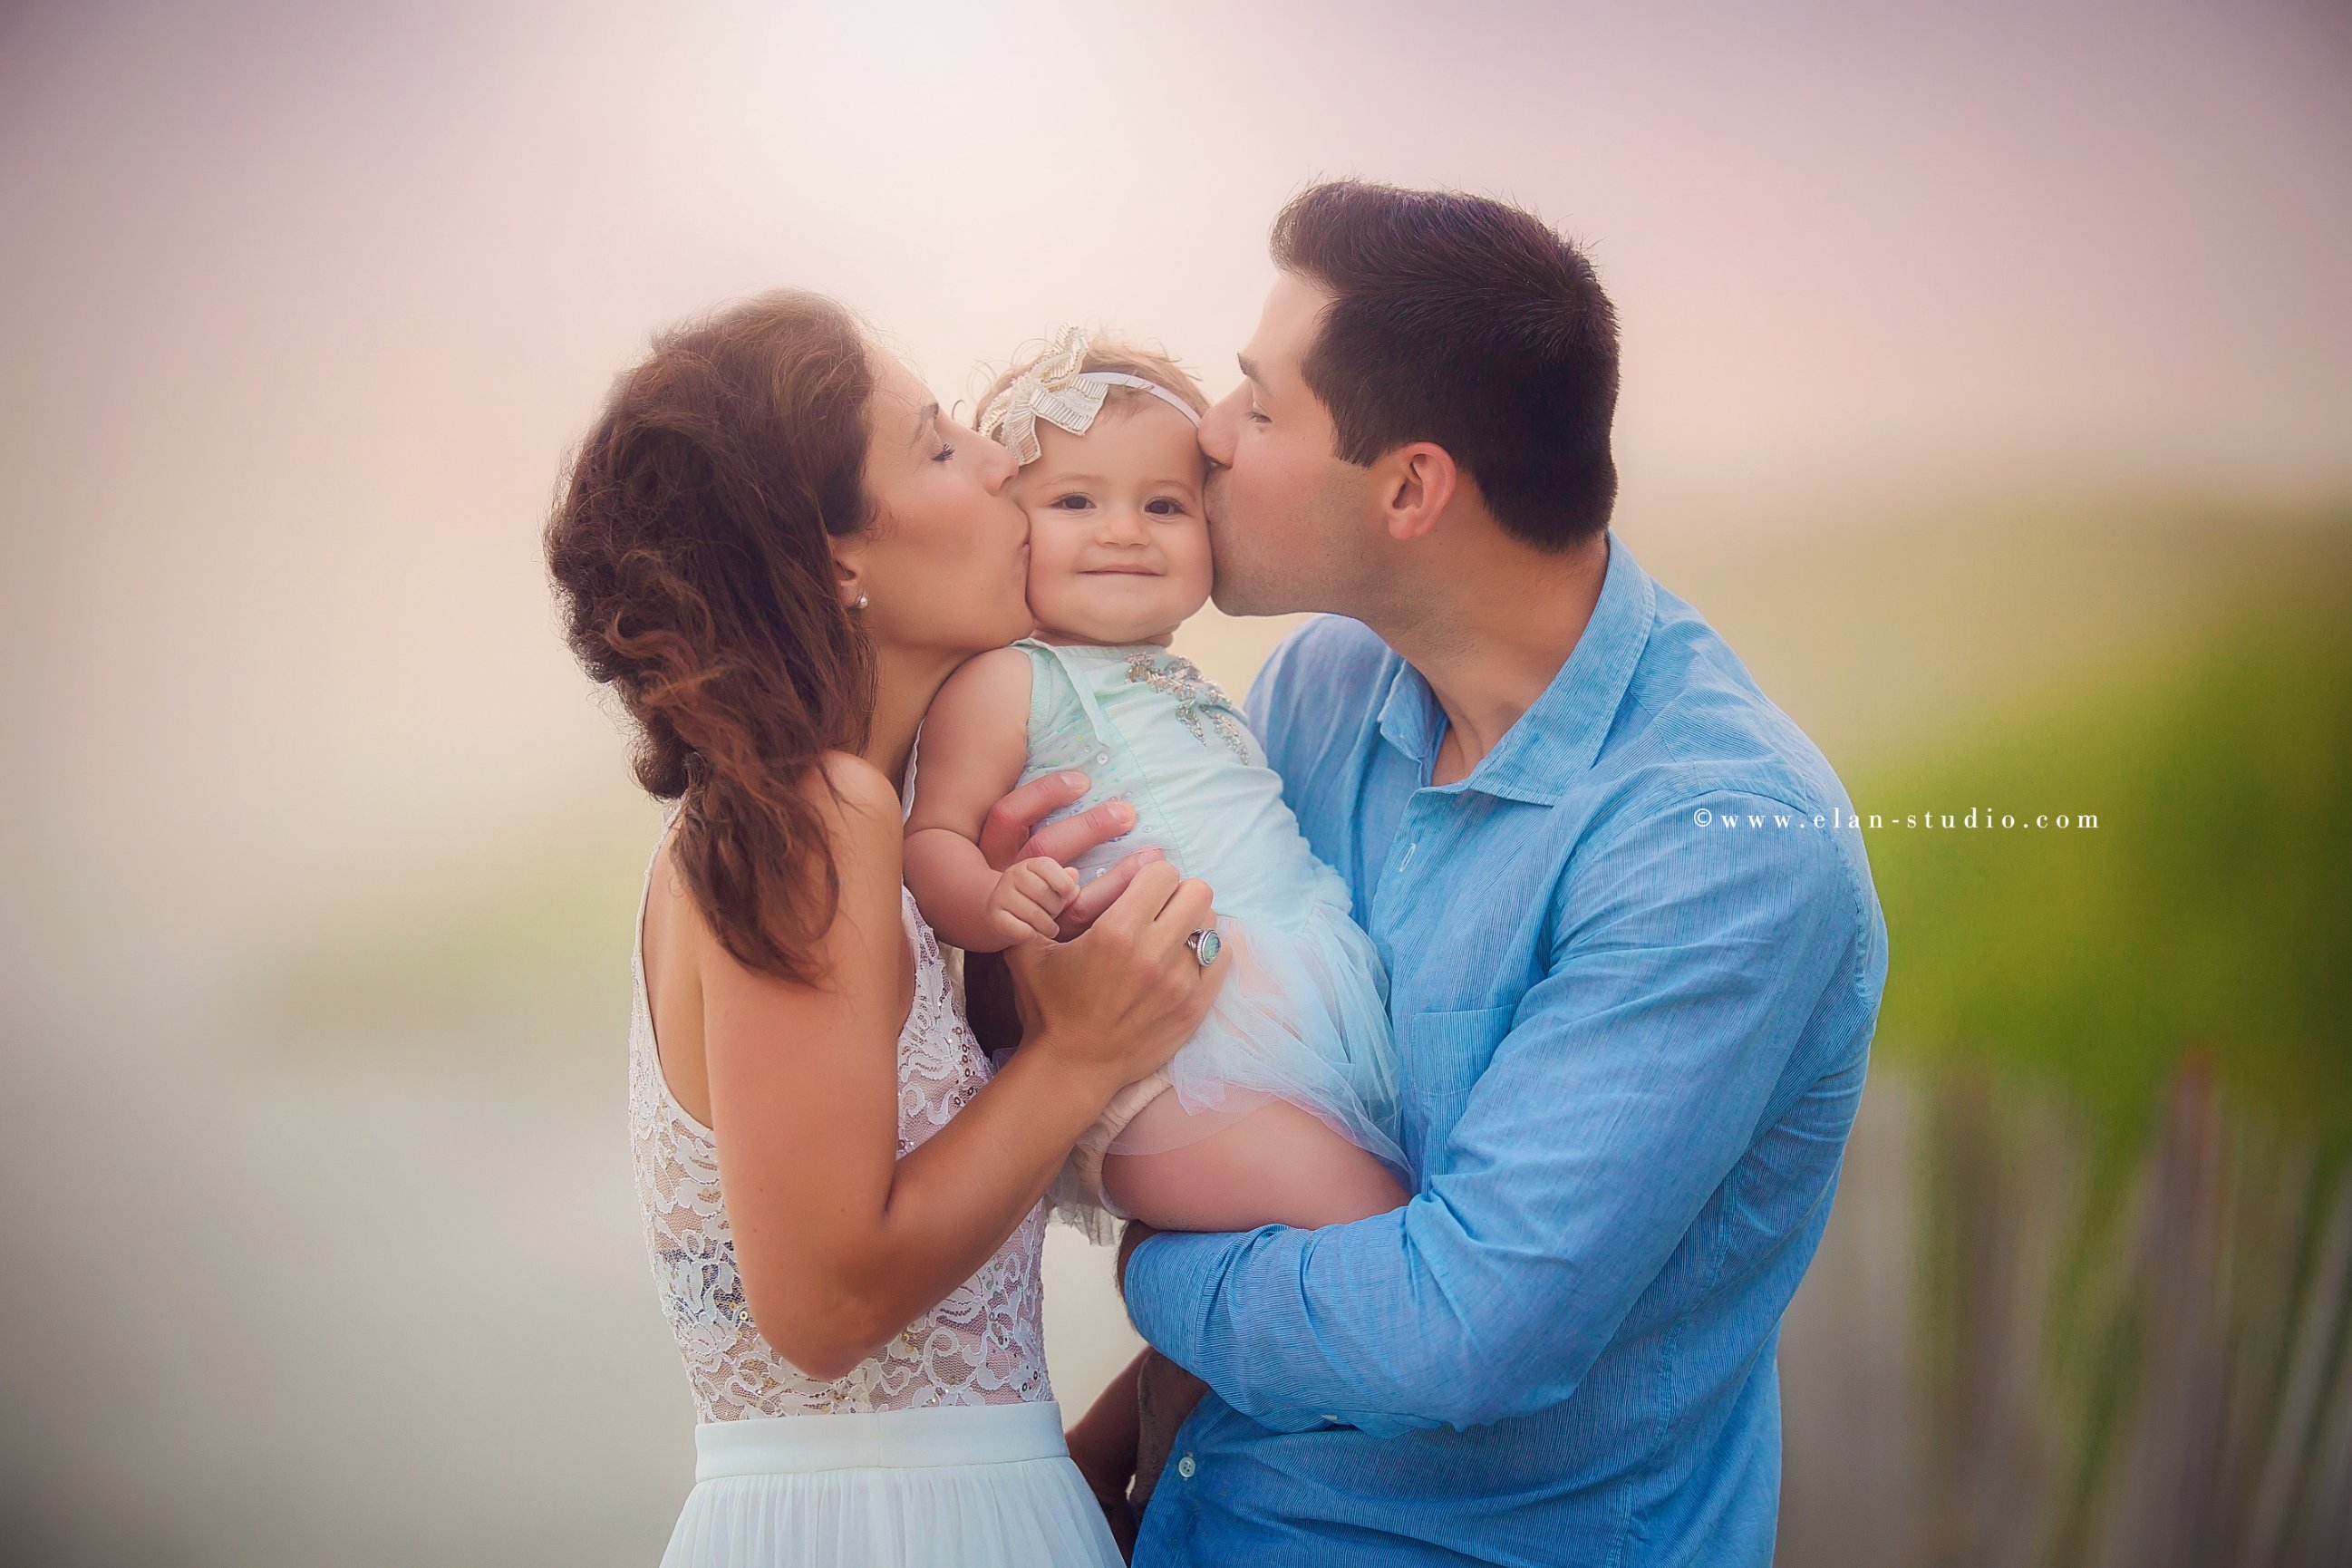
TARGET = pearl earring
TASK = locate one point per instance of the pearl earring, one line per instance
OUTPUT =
(861, 602)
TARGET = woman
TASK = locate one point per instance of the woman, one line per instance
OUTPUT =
(774, 550)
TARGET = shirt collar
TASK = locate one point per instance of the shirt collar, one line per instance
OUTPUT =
(1560, 734)
(1410, 715)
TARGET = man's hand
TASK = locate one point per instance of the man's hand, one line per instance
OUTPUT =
(1007, 837)
(1103, 1446)
(1164, 1391)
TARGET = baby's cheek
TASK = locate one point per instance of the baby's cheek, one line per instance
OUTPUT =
(1044, 558)
(1055, 591)
(1197, 565)
(1048, 578)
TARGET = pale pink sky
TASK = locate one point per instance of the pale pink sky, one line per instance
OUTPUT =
(301, 305)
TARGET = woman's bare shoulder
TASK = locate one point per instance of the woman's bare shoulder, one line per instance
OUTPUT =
(844, 779)
(858, 810)
(857, 813)
(862, 818)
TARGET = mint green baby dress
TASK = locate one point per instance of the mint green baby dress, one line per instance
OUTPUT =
(1304, 1014)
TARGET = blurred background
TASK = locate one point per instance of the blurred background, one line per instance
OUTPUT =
(1987, 383)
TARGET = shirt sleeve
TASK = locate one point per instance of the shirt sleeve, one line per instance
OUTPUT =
(1631, 1079)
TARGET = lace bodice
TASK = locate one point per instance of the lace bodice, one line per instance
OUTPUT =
(983, 1345)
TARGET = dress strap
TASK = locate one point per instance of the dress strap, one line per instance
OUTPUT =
(1046, 653)
(646, 898)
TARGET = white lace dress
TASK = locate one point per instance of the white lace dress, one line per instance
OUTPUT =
(946, 1448)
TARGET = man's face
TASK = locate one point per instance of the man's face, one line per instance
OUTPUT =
(1285, 512)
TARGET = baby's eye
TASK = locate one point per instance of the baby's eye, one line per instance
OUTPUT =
(1072, 502)
(1164, 506)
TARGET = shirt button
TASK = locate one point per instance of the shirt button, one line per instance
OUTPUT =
(1184, 1466)
(1102, 757)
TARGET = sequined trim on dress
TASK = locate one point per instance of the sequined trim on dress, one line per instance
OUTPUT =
(1195, 693)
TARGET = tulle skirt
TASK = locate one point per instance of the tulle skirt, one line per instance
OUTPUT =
(966, 1486)
(1303, 1016)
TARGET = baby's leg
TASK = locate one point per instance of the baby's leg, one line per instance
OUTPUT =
(1276, 1165)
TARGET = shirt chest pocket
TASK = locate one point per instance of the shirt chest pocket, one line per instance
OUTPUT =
(1443, 1055)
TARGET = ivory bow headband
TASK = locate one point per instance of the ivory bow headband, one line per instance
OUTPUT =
(1056, 391)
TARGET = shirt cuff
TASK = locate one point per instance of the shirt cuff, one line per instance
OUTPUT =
(1176, 1282)
(1171, 1285)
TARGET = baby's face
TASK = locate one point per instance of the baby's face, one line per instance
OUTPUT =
(1119, 546)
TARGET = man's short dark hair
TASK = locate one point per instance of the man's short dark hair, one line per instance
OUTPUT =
(1465, 321)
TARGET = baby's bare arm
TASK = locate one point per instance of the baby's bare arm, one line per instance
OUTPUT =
(975, 741)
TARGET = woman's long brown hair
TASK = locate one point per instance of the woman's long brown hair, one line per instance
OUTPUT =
(690, 560)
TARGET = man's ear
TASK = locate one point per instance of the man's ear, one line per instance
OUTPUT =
(1415, 483)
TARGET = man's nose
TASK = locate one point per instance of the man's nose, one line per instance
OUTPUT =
(1218, 425)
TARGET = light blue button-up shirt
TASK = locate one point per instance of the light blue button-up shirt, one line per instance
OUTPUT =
(1635, 961)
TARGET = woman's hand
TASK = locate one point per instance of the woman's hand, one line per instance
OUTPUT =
(1113, 1004)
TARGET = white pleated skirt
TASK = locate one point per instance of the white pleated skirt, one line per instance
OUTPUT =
(966, 1486)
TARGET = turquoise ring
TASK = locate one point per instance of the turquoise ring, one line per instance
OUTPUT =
(1204, 945)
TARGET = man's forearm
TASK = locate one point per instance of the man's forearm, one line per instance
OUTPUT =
(1301, 1329)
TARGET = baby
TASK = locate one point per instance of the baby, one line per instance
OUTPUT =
(1281, 1107)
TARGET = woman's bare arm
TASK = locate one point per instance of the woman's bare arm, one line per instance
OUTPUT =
(840, 1243)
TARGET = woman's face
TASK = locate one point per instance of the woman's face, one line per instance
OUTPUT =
(945, 565)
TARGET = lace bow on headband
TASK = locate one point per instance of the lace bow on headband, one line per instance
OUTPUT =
(1058, 390)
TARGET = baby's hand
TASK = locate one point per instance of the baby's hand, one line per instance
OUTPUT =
(1029, 897)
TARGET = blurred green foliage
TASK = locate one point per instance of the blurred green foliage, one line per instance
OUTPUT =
(2210, 910)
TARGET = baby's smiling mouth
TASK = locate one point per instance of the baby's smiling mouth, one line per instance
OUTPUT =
(1119, 572)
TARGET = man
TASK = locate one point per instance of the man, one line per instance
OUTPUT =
(1635, 956)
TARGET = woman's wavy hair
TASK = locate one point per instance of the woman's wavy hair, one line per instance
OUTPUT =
(690, 562)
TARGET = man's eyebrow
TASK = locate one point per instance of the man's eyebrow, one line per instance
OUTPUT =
(923, 422)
